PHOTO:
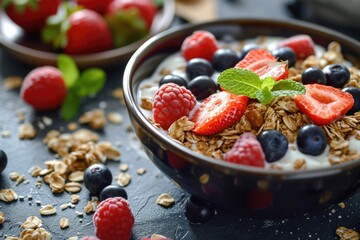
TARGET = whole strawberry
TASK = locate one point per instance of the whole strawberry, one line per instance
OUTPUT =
(95, 5)
(113, 219)
(171, 102)
(201, 44)
(246, 151)
(44, 88)
(30, 15)
(87, 33)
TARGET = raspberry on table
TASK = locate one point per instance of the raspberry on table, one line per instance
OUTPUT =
(171, 102)
(113, 219)
(247, 151)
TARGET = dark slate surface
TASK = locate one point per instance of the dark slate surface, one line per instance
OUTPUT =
(149, 217)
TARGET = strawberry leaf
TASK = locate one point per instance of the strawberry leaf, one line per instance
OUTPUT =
(240, 82)
(126, 26)
(91, 81)
(69, 69)
(70, 106)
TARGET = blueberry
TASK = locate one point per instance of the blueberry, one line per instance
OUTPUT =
(337, 75)
(285, 54)
(313, 75)
(224, 59)
(247, 48)
(172, 78)
(3, 160)
(311, 140)
(97, 177)
(198, 211)
(197, 67)
(274, 145)
(355, 92)
(113, 191)
(202, 87)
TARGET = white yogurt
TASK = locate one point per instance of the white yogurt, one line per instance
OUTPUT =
(175, 63)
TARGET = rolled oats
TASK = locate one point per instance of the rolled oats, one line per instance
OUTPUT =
(76, 176)
(141, 171)
(31, 222)
(14, 176)
(95, 119)
(165, 200)
(27, 131)
(47, 210)
(74, 198)
(91, 206)
(12, 82)
(8, 195)
(347, 234)
(2, 218)
(64, 223)
(72, 187)
(123, 179)
(115, 118)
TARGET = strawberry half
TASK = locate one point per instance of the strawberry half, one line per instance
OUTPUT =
(264, 64)
(324, 104)
(302, 45)
(218, 112)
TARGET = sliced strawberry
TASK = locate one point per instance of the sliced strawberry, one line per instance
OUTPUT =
(302, 45)
(324, 104)
(264, 64)
(218, 112)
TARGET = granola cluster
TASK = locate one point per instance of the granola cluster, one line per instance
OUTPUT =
(282, 114)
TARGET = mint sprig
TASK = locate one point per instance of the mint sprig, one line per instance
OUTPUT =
(245, 82)
(80, 85)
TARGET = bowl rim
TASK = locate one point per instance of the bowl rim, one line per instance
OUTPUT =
(230, 168)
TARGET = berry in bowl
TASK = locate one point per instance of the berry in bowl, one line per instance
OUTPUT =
(257, 116)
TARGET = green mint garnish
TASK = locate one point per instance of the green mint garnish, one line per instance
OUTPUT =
(245, 82)
(80, 85)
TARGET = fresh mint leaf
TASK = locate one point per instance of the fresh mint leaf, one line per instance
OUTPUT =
(264, 96)
(287, 88)
(268, 83)
(240, 82)
(69, 69)
(70, 106)
(91, 81)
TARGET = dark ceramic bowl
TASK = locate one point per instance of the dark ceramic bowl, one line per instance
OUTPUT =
(239, 188)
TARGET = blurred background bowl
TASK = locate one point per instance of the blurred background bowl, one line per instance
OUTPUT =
(30, 49)
(239, 188)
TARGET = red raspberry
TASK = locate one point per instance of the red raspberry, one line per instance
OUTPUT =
(44, 88)
(113, 219)
(170, 103)
(201, 44)
(246, 150)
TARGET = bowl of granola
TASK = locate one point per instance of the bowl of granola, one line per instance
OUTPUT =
(254, 115)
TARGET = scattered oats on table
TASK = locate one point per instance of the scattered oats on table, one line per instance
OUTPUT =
(27, 131)
(2, 218)
(347, 234)
(5, 134)
(165, 200)
(123, 179)
(94, 118)
(12, 82)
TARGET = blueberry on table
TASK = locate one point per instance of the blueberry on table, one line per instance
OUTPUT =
(198, 211)
(285, 54)
(355, 92)
(224, 59)
(113, 191)
(198, 67)
(311, 140)
(274, 145)
(202, 87)
(337, 75)
(97, 177)
(172, 78)
(313, 75)
(3, 160)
